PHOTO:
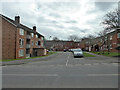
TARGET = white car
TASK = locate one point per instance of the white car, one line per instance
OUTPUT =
(77, 53)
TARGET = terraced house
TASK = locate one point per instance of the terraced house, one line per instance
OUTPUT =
(107, 42)
(20, 41)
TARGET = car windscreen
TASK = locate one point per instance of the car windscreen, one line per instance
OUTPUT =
(77, 50)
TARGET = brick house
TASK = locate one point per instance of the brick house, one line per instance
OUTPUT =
(60, 45)
(18, 40)
(109, 41)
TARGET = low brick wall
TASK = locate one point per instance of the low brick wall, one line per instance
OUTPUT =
(40, 52)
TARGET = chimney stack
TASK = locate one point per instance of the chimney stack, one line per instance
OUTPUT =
(34, 28)
(17, 19)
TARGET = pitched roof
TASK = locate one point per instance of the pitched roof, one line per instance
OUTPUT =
(19, 25)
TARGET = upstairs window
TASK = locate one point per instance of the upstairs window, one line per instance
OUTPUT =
(110, 37)
(106, 38)
(110, 46)
(118, 35)
(21, 32)
(36, 43)
(21, 42)
(32, 43)
(42, 44)
(41, 38)
(32, 34)
(36, 36)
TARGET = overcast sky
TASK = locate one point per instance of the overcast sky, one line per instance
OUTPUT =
(59, 18)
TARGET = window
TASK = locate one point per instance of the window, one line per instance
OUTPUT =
(32, 43)
(42, 44)
(111, 37)
(21, 42)
(36, 36)
(21, 53)
(118, 35)
(110, 46)
(41, 38)
(32, 34)
(36, 43)
(118, 44)
(21, 32)
(106, 38)
(105, 47)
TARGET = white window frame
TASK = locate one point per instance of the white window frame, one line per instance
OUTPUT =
(21, 52)
(36, 43)
(21, 43)
(106, 38)
(36, 36)
(32, 34)
(21, 31)
(111, 37)
(110, 46)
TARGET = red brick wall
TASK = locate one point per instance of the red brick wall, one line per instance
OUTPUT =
(40, 52)
(42, 41)
(8, 40)
(82, 44)
(114, 42)
(17, 44)
(34, 39)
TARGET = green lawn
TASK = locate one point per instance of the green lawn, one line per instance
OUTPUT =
(111, 54)
(48, 54)
(87, 55)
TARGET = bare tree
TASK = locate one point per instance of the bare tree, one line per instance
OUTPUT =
(102, 33)
(104, 40)
(73, 38)
(55, 39)
(111, 20)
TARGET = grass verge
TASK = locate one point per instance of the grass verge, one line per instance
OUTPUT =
(87, 55)
(48, 54)
(111, 54)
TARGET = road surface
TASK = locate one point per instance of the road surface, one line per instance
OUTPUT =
(63, 71)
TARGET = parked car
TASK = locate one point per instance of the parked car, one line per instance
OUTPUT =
(65, 50)
(77, 53)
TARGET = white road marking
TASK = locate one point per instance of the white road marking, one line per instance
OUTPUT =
(96, 64)
(46, 75)
(67, 60)
(87, 64)
(115, 63)
(103, 74)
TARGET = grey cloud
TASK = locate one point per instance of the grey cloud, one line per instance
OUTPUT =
(71, 21)
(50, 32)
(104, 6)
(54, 15)
(79, 29)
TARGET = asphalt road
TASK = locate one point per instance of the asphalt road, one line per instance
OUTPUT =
(63, 71)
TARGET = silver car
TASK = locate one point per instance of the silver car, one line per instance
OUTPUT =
(77, 53)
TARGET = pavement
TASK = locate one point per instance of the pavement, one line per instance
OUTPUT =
(62, 70)
(25, 61)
